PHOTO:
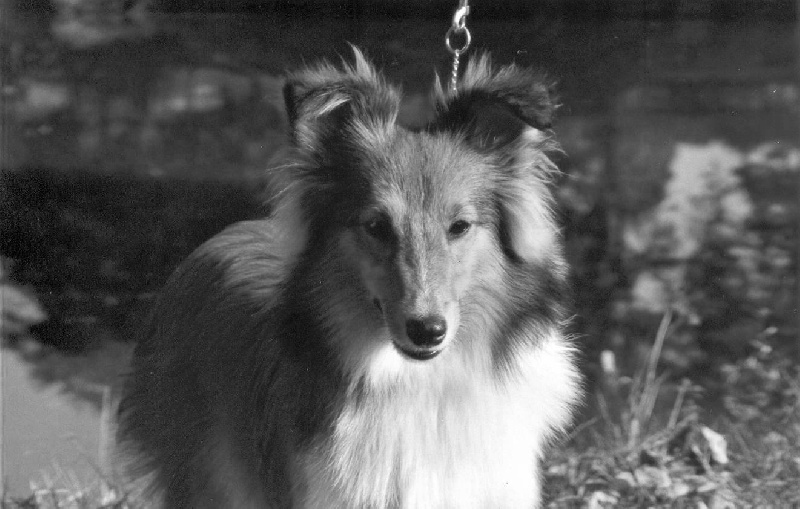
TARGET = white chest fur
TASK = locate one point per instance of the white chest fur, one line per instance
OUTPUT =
(459, 442)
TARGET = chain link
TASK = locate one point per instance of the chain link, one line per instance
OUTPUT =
(458, 27)
(454, 75)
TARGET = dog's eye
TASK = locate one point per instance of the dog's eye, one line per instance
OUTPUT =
(458, 228)
(379, 228)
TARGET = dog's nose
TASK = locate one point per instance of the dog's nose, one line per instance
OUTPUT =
(426, 332)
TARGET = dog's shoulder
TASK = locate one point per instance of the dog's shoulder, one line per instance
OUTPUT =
(249, 261)
(246, 241)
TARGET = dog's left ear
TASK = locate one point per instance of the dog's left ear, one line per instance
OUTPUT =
(507, 114)
(495, 108)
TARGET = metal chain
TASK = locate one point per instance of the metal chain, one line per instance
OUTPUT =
(458, 27)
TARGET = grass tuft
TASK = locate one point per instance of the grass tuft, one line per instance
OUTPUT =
(649, 444)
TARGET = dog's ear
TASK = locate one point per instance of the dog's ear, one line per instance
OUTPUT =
(495, 108)
(507, 114)
(322, 99)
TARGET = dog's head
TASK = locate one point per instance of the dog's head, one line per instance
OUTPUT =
(429, 227)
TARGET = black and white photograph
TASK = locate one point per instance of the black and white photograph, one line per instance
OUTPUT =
(399, 254)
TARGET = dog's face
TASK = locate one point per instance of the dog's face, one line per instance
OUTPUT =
(423, 219)
(417, 235)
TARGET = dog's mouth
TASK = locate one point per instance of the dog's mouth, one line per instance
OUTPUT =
(418, 355)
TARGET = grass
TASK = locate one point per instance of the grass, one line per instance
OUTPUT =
(651, 444)
(646, 441)
(100, 495)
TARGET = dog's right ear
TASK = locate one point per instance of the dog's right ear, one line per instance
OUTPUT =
(323, 99)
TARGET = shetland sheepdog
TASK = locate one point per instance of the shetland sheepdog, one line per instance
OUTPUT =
(392, 335)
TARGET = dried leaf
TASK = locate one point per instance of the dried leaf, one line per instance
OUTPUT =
(717, 445)
(601, 500)
(722, 499)
(678, 490)
(652, 477)
(626, 479)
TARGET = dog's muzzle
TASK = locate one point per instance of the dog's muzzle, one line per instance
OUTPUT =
(426, 334)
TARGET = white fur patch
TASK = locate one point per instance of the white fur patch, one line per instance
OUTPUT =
(529, 221)
(527, 200)
(533, 135)
(448, 436)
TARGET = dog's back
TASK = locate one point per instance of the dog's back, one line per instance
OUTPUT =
(391, 336)
(187, 399)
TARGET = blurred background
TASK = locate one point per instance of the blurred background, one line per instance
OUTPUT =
(132, 130)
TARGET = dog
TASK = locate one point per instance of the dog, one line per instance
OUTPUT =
(392, 335)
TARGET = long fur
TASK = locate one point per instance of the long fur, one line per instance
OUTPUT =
(277, 368)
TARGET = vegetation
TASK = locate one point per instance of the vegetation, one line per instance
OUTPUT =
(654, 442)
